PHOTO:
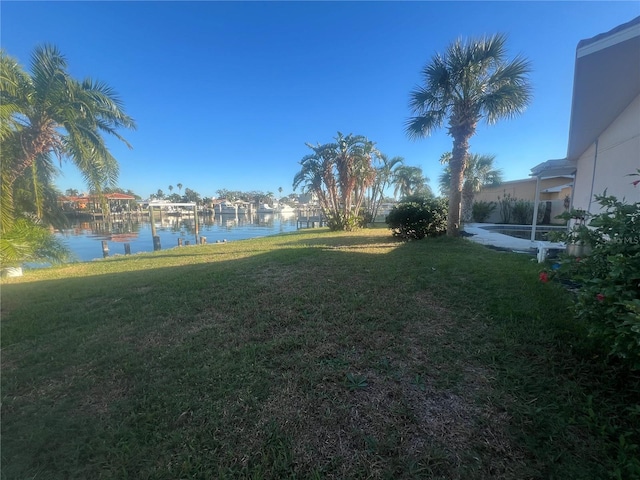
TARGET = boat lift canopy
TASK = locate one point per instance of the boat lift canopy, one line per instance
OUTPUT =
(169, 204)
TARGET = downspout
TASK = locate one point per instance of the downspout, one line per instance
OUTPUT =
(534, 223)
(593, 175)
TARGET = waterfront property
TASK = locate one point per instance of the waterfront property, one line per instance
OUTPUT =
(91, 206)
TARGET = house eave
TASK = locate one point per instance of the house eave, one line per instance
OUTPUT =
(606, 80)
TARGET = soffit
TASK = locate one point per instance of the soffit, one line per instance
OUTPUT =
(606, 80)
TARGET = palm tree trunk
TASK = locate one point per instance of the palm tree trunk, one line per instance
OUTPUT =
(457, 164)
(467, 202)
(461, 129)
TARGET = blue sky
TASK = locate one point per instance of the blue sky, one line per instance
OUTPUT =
(225, 94)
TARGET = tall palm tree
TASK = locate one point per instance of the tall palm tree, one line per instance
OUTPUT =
(408, 180)
(179, 185)
(470, 82)
(479, 172)
(44, 114)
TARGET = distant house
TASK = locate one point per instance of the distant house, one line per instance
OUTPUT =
(604, 133)
(117, 202)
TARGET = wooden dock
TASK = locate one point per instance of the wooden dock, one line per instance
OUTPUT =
(310, 221)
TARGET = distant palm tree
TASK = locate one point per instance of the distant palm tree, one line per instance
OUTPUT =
(384, 177)
(179, 185)
(479, 172)
(408, 180)
(470, 82)
(310, 176)
(170, 189)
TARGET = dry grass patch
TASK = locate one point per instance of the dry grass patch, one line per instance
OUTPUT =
(314, 355)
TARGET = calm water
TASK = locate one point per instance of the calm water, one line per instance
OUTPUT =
(84, 239)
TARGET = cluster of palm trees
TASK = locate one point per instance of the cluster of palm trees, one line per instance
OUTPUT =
(350, 176)
(47, 115)
(472, 81)
(339, 174)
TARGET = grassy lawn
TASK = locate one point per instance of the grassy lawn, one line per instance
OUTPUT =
(307, 355)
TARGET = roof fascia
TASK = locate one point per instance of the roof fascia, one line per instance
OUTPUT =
(608, 41)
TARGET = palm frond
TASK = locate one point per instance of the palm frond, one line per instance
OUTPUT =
(27, 241)
(424, 125)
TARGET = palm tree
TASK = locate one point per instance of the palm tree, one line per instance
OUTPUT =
(179, 185)
(170, 189)
(471, 82)
(52, 113)
(339, 174)
(408, 180)
(384, 176)
(479, 172)
(354, 166)
(46, 114)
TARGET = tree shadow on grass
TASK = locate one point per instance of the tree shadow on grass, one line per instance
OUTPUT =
(154, 369)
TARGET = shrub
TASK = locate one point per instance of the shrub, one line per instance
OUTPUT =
(481, 210)
(418, 218)
(608, 297)
(522, 211)
(505, 207)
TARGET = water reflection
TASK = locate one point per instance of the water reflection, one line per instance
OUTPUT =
(84, 238)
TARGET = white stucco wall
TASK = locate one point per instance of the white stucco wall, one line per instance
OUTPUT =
(607, 167)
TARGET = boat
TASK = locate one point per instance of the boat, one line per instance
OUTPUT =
(265, 208)
(286, 210)
(226, 208)
(243, 208)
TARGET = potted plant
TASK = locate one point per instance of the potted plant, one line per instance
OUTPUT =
(578, 237)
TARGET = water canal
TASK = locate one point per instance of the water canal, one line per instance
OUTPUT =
(84, 239)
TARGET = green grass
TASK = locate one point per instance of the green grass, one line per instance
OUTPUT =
(307, 355)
